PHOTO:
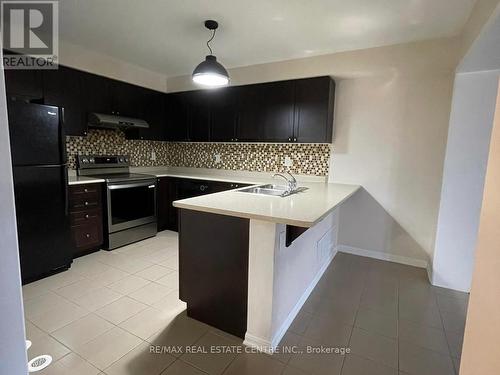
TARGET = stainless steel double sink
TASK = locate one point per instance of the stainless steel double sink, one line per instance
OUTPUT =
(271, 189)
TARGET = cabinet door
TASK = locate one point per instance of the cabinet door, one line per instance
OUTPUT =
(127, 100)
(163, 203)
(173, 212)
(314, 102)
(278, 109)
(155, 116)
(24, 83)
(177, 117)
(199, 115)
(250, 116)
(224, 114)
(266, 112)
(63, 88)
(96, 93)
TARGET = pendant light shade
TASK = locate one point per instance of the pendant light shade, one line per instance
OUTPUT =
(210, 72)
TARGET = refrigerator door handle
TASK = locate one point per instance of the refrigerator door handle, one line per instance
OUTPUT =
(62, 135)
(66, 190)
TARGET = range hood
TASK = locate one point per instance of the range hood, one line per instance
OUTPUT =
(102, 121)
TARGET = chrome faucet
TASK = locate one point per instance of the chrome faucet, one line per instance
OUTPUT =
(291, 182)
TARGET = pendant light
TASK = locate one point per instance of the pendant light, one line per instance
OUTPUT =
(211, 73)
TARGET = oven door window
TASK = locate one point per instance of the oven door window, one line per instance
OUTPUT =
(130, 203)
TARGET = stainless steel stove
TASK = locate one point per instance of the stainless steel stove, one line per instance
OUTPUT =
(130, 198)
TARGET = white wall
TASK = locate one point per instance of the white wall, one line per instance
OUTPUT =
(367, 229)
(391, 138)
(80, 58)
(12, 338)
(471, 121)
(463, 178)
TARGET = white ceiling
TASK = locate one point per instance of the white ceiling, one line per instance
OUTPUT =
(168, 36)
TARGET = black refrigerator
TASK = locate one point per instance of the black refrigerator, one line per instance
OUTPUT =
(41, 188)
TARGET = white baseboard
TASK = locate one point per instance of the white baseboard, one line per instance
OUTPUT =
(421, 263)
(258, 343)
(267, 346)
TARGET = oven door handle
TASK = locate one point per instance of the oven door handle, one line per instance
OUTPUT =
(149, 184)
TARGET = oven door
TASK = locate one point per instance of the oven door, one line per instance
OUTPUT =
(131, 204)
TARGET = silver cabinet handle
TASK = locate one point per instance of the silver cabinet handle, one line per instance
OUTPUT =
(87, 235)
(87, 216)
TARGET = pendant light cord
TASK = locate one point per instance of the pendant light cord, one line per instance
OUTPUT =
(208, 42)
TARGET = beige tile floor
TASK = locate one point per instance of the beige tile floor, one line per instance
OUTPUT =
(105, 314)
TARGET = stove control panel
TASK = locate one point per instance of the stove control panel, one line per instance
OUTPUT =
(102, 161)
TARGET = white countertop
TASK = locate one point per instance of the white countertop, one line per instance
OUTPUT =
(303, 209)
(242, 177)
(78, 180)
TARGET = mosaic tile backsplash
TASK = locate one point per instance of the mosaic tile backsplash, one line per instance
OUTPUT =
(308, 159)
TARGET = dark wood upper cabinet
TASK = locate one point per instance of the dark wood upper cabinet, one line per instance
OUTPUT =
(277, 111)
(285, 111)
(96, 93)
(177, 117)
(155, 116)
(26, 84)
(250, 116)
(314, 105)
(224, 114)
(63, 88)
(266, 112)
(199, 104)
(128, 100)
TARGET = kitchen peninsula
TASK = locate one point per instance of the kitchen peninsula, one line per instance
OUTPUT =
(248, 262)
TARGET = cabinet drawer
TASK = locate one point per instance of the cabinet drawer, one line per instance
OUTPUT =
(84, 203)
(88, 191)
(84, 217)
(88, 235)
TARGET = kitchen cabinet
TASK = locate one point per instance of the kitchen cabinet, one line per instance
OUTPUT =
(96, 93)
(213, 269)
(177, 117)
(63, 88)
(128, 100)
(155, 115)
(314, 105)
(286, 111)
(104, 95)
(86, 218)
(164, 199)
(24, 83)
(250, 125)
(198, 103)
(188, 116)
(224, 114)
(171, 189)
(266, 112)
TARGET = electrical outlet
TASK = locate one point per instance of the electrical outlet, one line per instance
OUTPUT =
(153, 155)
(288, 162)
(217, 158)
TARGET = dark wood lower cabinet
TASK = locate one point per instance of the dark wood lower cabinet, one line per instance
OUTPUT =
(85, 203)
(171, 189)
(213, 275)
